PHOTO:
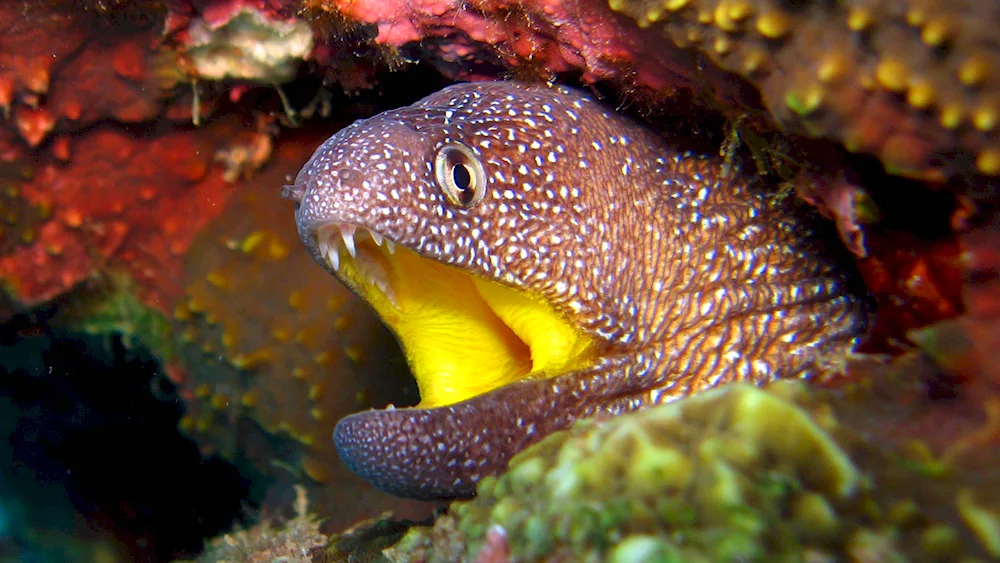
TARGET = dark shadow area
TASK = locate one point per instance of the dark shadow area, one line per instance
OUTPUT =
(91, 426)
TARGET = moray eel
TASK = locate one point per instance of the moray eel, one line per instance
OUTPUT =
(542, 259)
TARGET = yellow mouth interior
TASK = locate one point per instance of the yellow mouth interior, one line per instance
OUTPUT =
(462, 335)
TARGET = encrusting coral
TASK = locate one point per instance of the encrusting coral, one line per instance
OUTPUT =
(909, 81)
(735, 473)
(296, 541)
(913, 83)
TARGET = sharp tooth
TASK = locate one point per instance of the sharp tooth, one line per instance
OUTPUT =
(347, 232)
(391, 246)
(376, 237)
(334, 257)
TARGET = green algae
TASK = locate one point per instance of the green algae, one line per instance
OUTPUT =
(114, 308)
(737, 473)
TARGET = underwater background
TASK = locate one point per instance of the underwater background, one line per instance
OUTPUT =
(174, 361)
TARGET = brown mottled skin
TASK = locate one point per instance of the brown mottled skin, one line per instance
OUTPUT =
(685, 278)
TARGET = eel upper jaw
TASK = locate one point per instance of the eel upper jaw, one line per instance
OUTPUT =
(332, 237)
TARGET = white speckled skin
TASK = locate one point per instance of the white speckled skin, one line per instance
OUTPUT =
(685, 278)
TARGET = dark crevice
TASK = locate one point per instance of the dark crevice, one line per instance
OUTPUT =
(90, 427)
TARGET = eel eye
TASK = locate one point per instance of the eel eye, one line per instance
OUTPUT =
(460, 175)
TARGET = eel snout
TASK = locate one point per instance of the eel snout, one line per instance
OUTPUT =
(335, 190)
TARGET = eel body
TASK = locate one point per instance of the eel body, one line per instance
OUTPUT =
(543, 259)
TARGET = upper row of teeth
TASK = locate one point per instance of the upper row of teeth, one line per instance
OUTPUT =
(330, 242)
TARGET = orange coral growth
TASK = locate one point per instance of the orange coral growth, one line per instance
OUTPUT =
(67, 85)
(112, 195)
(947, 399)
(913, 84)
(916, 283)
(120, 203)
(545, 37)
(965, 347)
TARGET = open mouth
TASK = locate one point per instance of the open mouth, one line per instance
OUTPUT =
(463, 335)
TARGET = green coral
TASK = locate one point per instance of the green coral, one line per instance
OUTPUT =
(114, 308)
(108, 307)
(738, 473)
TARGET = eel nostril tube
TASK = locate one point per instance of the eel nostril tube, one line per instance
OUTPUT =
(293, 192)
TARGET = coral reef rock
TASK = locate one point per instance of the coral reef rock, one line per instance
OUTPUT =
(737, 473)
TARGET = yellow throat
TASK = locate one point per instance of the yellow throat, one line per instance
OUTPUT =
(462, 335)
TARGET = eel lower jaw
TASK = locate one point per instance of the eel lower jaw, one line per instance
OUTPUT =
(441, 453)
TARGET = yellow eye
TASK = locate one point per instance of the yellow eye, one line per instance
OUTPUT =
(460, 175)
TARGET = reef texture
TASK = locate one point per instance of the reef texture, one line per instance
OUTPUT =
(109, 208)
(297, 541)
(913, 83)
(79, 198)
(965, 346)
(121, 215)
(736, 473)
(141, 145)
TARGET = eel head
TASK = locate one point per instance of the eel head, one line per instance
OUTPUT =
(504, 234)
